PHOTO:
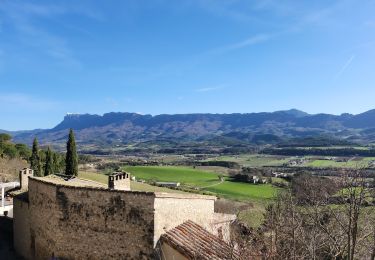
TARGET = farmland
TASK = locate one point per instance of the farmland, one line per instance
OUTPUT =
(260, 160)
(184, 175)
(254, 160)
(206, 181)
(136, 186)
(254, 196)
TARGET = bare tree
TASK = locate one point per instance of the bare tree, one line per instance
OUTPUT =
(313, 221)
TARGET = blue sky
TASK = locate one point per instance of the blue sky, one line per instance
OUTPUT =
(183, 56)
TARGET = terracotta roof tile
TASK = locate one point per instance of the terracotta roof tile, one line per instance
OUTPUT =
(194, 242)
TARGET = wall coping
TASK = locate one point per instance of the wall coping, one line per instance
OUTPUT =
(98, 188)
(183, 196)
(60, 183)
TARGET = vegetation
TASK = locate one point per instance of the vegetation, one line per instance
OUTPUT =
(244, 191)
(48, 166)
(45, 162)
(186, 176)
(340, 151)
(315, 141)
(205, 181)
(254, 160)
(10, 150)
(337, 164)
(71, 162)
(304, 222)
(136, 186)
(35, 159)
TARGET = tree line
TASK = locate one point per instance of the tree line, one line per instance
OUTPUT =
(11, 150)
(320, 152)
(49, 162)
(43, 162)
(303, 222)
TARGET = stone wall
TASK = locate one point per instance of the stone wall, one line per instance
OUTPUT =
(21, 228)
(24, 175)
(75, 222)
(168, 253)
(119, 181)
(90, 223)
(172, 210)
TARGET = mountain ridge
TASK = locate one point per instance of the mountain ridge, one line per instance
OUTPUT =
(125, 127)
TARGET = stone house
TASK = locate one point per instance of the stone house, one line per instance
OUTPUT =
(81, 219)
(190, 241)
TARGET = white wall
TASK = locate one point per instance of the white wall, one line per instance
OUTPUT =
(8, 208)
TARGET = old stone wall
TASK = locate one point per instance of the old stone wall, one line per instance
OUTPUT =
(78, 222)
(173, 210)
(21, 228)
(167, 253)
(119, 181)
(90, 223)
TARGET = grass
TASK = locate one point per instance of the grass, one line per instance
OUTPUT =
(201, 179)
(136, 186)
(260, 160)
(93, 176)
(253, 217)
(334, 164)
(257, 195)
(186, 176)
(254, 160)
(244, 191)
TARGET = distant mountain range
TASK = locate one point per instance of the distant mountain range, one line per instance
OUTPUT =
(121, 129)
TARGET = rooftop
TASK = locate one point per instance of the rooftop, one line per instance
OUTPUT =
(194, 242)
(78, 182)
(75, 182)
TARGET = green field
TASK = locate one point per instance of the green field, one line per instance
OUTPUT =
(136, 186)
(244, 191)
(257, 196)
(206, 181)
(254, 160)
(357, 163)
(186, 176)
(260, 160)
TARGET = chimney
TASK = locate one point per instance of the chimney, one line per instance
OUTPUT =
(24, 178)
(119, 181)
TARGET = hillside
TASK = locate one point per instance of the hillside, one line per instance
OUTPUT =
(121, 129)
(9, 168)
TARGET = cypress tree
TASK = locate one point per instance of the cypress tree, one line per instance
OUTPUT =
(71, 160)
(48, 167)
(56, 163)
(35, 159)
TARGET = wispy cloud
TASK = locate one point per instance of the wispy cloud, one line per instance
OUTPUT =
(25, 18)
(208, 89)
(227, 9)
(257, 39)
(344, 67)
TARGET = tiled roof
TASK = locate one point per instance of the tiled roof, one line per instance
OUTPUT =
(194, 242)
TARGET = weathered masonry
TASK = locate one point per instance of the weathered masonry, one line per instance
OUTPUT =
(79, 219)
(119, 181)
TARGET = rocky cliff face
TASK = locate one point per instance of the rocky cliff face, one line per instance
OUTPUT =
(122, 128)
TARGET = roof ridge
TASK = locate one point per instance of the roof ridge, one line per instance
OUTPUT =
(192, 240)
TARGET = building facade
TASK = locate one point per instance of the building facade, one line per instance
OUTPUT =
(77, 220)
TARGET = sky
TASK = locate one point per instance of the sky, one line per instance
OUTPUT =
(183, 56)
